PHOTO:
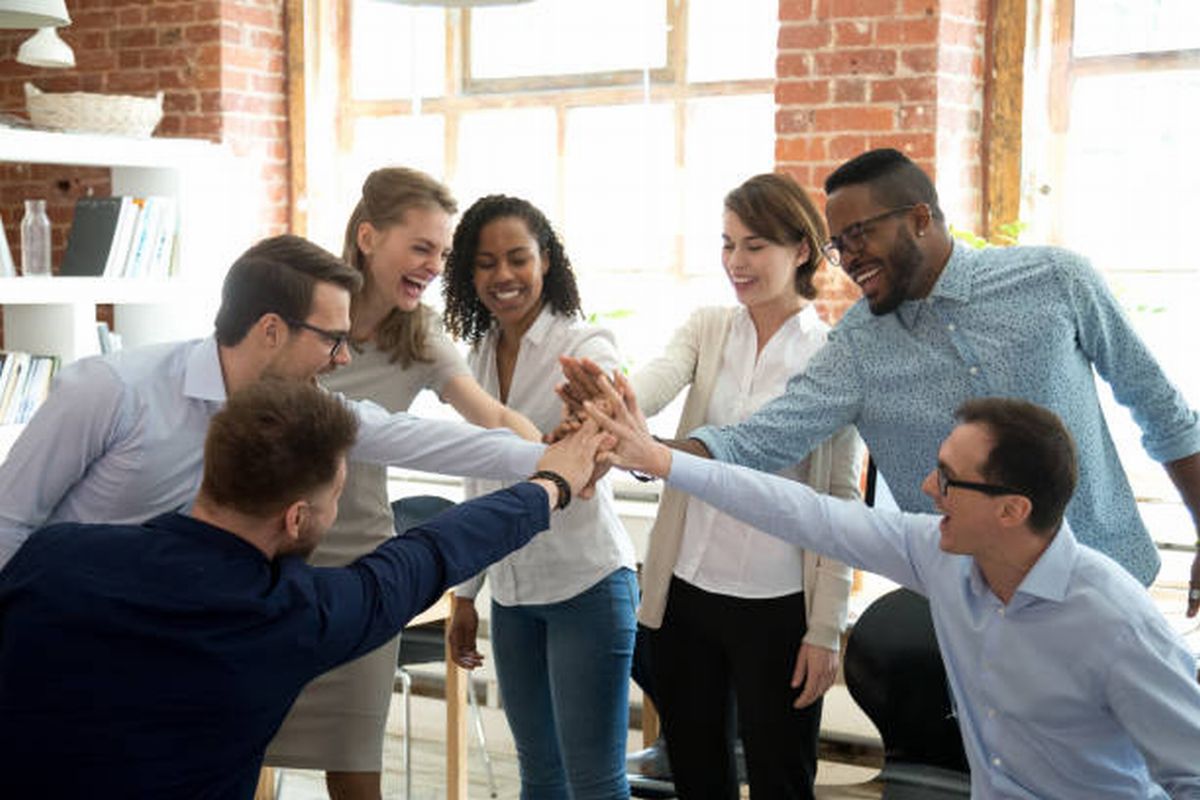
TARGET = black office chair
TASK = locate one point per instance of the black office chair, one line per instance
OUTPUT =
(894, 672)
(423, 644)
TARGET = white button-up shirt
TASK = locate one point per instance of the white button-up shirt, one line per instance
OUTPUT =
(586, 541)
(120, 439)
(719, 553)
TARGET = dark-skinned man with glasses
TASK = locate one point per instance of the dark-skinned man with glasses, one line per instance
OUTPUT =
(940, 323)
(1067, 680)
(120, 437)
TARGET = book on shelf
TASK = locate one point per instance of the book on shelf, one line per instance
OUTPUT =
(24, 383)
(110, 341)
(122, 237)
(91, 238)
(7, 268)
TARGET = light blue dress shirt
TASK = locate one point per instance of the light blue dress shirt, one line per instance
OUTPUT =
(120, 439)
(1078, 688)
(1028, 322)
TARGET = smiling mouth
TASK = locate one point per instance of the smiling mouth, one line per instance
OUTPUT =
(861, 278)
(505, 295)
(741, 280)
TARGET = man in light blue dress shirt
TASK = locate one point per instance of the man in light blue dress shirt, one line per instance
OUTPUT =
(1067, 680)
(940, 323)
(120, 437)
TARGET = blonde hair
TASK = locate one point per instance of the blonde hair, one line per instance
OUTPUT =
(387, 194)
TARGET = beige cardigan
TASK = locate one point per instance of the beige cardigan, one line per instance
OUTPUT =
(693, 357)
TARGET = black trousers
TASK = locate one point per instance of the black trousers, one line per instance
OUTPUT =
(715, 653)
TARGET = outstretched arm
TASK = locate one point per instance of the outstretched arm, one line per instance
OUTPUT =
(477, 406)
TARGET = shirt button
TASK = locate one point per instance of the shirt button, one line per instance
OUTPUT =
(996, 762)
(951, 327)
(973, 370)
(1000, 611)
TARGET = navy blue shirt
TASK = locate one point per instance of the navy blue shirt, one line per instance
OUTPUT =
(158, 660)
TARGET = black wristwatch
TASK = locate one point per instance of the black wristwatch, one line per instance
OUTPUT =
(564, 488)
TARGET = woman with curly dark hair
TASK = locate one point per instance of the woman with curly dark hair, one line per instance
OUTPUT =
(562, 606)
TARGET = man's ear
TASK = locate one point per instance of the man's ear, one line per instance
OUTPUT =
(271, 329)
(295, 517)
(1015, 510)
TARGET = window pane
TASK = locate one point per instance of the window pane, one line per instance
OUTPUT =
(1130, 137)
(552, 37)
(390, 42)
(1106, 27)
(508, 151)
(621, 201)
(728, 41)
(728, 139)
(378, 142)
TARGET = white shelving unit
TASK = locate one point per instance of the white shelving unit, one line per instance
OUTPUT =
(57, 315)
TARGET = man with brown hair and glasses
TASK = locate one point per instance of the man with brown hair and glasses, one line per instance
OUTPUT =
(1067, 680)
(157, 660)
(119, 439)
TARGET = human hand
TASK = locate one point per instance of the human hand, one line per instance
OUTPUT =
(816, 670)
(618, 413)
(584, 379)
(464, 626)
(574, 458)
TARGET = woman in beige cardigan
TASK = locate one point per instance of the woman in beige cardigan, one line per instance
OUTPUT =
(737, 613)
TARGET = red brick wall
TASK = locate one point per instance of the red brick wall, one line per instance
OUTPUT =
(220, 66)
(854, 75)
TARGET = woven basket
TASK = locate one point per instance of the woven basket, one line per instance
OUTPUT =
(84, 112)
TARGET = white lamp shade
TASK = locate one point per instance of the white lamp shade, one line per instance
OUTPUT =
(33, 13)
(46, 49)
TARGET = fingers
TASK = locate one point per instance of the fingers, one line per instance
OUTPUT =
(801, 669)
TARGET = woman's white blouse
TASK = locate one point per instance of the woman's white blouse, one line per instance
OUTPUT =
(718, 553)
(587, 541)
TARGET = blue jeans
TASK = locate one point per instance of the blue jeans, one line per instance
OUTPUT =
(564, 676)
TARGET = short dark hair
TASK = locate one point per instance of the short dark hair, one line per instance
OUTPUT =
(892, 177)
(1032, 452)
(277, 275)
(274, 442)
(466, 317)
(775, 207)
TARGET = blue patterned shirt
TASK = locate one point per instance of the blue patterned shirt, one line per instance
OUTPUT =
(1028, 322)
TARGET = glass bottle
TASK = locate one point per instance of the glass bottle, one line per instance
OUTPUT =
(35, 239)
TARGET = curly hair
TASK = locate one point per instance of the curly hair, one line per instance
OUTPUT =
(466, 317)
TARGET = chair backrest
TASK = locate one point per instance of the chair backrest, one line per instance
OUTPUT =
(420, 644)
(895, 673)
(410, 511)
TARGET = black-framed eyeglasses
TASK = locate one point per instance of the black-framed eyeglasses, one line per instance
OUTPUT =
(853, 237)
(337, 339)
(944, 483)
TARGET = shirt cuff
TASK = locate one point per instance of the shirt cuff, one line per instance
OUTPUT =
(688, 472)
(710, 435)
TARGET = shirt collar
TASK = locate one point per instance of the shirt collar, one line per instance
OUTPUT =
(541, 326)
(1051, 573)
(804, 320)
(953, 284)
(1046, 580)
(203, 379)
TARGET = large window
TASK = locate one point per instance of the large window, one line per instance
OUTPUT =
(1110, 139)
(626, 121)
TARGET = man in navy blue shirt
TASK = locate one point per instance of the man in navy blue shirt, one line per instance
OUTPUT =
(157, 660)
